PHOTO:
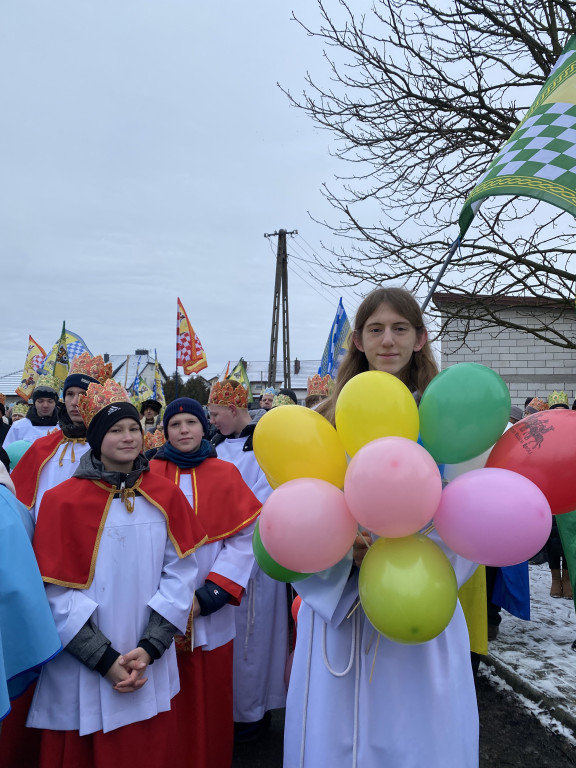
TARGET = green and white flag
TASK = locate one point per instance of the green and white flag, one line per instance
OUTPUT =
(539, 159)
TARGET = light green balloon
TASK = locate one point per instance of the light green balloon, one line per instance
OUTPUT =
(408, 588)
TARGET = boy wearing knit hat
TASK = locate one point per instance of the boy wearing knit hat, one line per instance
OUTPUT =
(118, 596)
(42, 417)
(227, 509)
(53, 458)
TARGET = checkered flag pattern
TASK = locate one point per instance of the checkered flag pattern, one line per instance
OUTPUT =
(76, 348)
(539, 159)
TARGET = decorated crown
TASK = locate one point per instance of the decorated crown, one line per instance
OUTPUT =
(48, 381)
(98, 396)
(282, 400)
(536, 405)
(557, 398)
(320, 385)
(2, 399)
(95, 367)
(154, 439)
(223, 393)
(270, 391)
(20, 409)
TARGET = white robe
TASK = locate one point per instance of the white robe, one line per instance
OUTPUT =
(232, 558)
(23, 429)
(419, 709)
(137, 569)
(261, 644)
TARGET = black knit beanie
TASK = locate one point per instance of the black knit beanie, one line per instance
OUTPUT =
(105, 420)
(81, 380)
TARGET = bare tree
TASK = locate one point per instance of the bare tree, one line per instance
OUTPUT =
(420, 96)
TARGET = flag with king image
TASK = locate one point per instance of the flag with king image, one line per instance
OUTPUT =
(34, 360)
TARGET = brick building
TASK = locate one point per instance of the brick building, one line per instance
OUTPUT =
(529, 366)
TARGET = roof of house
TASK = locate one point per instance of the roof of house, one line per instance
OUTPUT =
(500, 300)
(258, 372)
(9, 382)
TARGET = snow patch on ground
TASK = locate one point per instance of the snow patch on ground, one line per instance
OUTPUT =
(539, 653)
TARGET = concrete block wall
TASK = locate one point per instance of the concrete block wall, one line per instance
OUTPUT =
(529, 367)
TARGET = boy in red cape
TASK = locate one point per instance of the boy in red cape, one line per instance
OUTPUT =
(227, 510)
(115, 546)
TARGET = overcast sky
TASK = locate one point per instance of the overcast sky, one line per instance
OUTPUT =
(145, 149)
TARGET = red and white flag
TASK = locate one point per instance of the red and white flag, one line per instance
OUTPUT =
(189, 351)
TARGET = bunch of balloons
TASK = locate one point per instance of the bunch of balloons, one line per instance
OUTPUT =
(378, 471)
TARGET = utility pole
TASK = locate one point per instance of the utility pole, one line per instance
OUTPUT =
(280, 292)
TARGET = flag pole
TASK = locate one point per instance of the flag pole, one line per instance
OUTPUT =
(453, 248)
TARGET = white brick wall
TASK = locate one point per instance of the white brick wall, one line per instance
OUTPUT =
(528, 366)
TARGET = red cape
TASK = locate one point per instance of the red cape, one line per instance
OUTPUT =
(73, 515)
(223, 503)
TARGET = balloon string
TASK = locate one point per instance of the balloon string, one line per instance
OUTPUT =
(374, 659)
(428, 531)
(356, 605)
(364, 539)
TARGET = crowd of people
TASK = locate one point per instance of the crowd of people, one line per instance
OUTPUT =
(164, 640)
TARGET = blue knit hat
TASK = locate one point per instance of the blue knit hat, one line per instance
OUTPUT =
(185, 405)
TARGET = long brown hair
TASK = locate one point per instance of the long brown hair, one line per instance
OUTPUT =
(422, 367)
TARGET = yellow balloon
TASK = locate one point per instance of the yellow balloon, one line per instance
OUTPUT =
(374, 404)
(408, 588)
(292, 442)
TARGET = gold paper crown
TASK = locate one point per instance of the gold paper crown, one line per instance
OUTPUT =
(154, 439)
(223, 393)
(282, 400)
(2, 399)
(558, 398)
(95, 367)
(535, 405)
(99, 396)
(20, 409)
(48, 380)
(320, 385)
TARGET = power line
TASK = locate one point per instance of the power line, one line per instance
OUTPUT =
(298, 272)
(316, 265)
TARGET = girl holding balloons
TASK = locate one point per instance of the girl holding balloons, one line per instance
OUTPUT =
(357, 698)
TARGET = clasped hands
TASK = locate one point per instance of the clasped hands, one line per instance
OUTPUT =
(127, 672)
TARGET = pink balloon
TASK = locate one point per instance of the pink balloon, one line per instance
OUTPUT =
(393, 487)
(306, 526)
(494, 517)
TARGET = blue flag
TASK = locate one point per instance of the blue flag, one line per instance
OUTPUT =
(136, 384)
(337, 344)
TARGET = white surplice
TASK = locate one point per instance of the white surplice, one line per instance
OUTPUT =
(356, 701)
(137, 569)
(261, 644)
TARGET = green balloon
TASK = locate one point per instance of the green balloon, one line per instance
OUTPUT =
(463, 412)
(270, 566)
(16, 450)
